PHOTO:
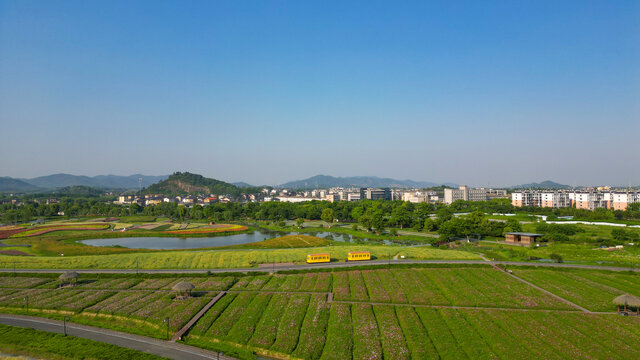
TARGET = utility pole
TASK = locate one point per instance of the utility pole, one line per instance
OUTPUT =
(26, 298)
(64, 320)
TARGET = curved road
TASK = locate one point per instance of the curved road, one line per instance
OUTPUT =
(276, 267)
(135, 342)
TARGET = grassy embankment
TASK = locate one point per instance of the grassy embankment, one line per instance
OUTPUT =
(204, 259)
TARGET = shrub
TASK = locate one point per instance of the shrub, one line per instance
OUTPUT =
(556, 258)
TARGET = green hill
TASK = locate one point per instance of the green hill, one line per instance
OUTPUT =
(186, 183)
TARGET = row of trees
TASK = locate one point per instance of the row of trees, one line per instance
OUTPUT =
(372, 215)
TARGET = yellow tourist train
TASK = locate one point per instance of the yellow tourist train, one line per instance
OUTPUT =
(318, 258)
(358, 255)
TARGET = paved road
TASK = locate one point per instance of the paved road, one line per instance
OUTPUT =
(320, 266)
(136, 342)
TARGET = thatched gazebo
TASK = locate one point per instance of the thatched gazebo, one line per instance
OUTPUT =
(183, 289)
(627, 301)
(69, 278)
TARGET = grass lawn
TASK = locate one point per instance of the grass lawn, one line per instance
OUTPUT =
(40, 344)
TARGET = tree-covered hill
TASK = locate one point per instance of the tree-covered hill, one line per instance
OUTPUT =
(185, 183)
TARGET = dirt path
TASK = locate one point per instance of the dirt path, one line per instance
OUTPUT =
(540, 289)
(181, 332)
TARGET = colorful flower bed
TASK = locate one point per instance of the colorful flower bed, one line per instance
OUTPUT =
(41, 230)
(207, 230)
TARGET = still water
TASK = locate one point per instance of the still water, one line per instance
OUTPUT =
(172, 243)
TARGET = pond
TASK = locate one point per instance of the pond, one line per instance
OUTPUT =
(175, 243)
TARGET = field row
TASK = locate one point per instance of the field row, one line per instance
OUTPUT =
(68, 300)
(200, 283)
(305, 326)
(311, 282)
(479, 287)
(134, 311)
(148, 306)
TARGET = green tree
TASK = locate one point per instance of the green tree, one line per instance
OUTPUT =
(327, 216)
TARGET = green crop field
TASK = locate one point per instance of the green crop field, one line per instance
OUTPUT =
(476, 287)
(446, 312)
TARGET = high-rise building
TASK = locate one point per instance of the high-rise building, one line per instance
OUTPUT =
(375, 194)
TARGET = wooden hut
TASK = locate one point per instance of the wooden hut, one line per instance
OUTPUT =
(183, 289)
(69, 278)
(627, 303)
(521, 237)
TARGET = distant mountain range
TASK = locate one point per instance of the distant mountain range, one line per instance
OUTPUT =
(242, 184)
(325, 181)
(183, 183)
(55, 181)
(548, 184)
(8, 184)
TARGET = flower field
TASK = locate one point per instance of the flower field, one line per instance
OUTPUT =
(208, 230)
(41, 230)
(60, 299)
(146, 309)
(592, 289)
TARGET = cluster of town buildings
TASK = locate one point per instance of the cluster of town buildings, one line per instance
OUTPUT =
(581, 199)
(414, 195)
(332, 195)
(155, 199)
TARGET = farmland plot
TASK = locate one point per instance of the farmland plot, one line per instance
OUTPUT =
(62, 299)
(592, 290)
(475, 287)
(148, 308)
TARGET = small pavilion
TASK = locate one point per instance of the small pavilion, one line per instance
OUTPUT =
(69, 278)
(183, 289)
(628, 304)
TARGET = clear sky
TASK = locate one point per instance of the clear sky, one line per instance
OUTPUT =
(472, 92)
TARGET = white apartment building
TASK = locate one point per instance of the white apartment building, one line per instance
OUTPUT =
(472, 194)
(588, 200)
(419, 196)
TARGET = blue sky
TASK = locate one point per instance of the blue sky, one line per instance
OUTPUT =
(475, 92)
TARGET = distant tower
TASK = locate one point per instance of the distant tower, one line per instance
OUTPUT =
(140, 185)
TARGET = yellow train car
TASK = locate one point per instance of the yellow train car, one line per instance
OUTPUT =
(318, 258)
(358, 255)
